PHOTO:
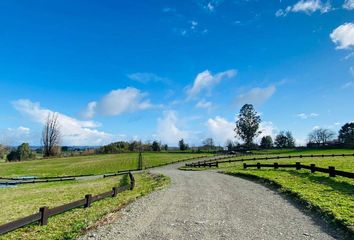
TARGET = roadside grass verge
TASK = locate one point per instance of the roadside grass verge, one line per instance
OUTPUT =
(24, 200)
(93, 164)
(332, 197)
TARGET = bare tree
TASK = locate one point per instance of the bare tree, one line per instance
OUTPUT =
(320, 136)
(51, 135)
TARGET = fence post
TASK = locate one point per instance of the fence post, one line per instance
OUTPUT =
(44, 216)
(244, 165)
(115, 191)
(312, 168)
(332, 171)
(276, 165)
(258, 165)
(132, 181)
(88, 202)
(217, 164)
(298, 165)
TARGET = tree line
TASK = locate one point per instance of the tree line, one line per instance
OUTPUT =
(247, 129)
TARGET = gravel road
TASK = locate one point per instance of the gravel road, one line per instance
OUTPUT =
(210, 205)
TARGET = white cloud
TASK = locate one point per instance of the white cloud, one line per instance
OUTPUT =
(15, 136)
(145, 77)
(168, 131)
(306, 6)
(348, 4)
(194, 24)
(204, 104)
(255, 96)
(74, 132)
(307, 116)
(347, 85)
(206, 80)
(117, 102)
(343, 36)
(351, 70)
(220, 129)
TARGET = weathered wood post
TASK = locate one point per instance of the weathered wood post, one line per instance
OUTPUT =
(44, 215)
(115, 191)
(244, 165)
(88, 198)
(258, 165)
(132, 181)
(312, 168)
(332, 171)
(140, 161)
(276, 165)
(298, 165)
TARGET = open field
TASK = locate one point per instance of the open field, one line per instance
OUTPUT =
(333, 197)
(93, 164)
(293, 151)
(24, 200)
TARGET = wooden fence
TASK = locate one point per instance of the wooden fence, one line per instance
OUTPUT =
(298, 166)
(44, 212)
(222, 159)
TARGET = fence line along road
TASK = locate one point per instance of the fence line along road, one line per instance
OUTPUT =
(45, 212)
(298, 166)
(220, 160)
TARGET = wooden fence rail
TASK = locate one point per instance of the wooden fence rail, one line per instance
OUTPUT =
(298, 166)
(222, 160)
(44, 212)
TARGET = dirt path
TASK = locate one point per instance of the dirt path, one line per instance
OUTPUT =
(209, 205)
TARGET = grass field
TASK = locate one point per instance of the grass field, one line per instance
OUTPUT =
(24, 200)
(93, 164)
(333, 197)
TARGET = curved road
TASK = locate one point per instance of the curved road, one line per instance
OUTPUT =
(209, 205)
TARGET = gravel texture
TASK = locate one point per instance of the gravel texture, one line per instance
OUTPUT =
(209, 205)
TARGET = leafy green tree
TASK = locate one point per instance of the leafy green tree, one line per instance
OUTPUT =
(346, 134)
(284, 140)
(182, 145)
(247, 124)
(266, 142)
(156, 146)
(24, 151)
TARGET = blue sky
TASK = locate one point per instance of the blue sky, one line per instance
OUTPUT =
(165, 70)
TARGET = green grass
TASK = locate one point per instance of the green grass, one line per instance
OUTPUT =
(24, 200)
(333, 197)
(93, 164)
(293, 151)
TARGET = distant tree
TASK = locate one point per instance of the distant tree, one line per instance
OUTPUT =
(230, 145)
(23, 152)
(346, 134)
(3, 151)
(51, 136)
(247, 124)
(182, 146)
(320, 136)
(266, 142)
(165, 147)
(208, 143)
(156, 146)
(284, 140)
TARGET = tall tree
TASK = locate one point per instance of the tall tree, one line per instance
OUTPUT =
(320, 136)
(266, 142)
(51, 136)
(182, 146)
(346, 134)
(208, 143)
(156, 146)
(247, 124)
(24, 151)
(284, 140)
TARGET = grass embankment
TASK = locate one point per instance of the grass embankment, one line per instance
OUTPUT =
(333, 197)
(94, 164)
(24, 200)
